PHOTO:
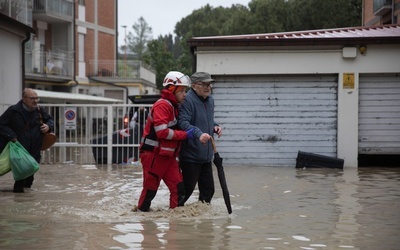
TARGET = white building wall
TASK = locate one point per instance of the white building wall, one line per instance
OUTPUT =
(10, 69)
(376, 59)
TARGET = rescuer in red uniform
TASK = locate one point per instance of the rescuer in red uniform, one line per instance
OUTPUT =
(161, 141)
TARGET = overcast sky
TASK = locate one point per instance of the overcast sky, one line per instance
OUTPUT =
(161, 15)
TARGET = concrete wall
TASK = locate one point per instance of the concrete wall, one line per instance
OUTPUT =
(10, 69)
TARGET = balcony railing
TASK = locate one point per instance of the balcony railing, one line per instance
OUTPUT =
(121, 69)
(59, 8)
(20, 10)
(382, 7)
(56, 63)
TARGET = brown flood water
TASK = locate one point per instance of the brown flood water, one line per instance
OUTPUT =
(89, 207)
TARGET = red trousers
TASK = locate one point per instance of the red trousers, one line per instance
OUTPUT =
(156, 168)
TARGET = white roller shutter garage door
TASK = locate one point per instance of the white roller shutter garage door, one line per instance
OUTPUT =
(379, 115)
(267, 120)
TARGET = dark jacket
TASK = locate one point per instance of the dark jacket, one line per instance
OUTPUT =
(198, 113)
(17, 122)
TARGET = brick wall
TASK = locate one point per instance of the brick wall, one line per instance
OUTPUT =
(106, 46)
(106, 16)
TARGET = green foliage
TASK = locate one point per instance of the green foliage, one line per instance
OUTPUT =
(137, 43)
(322, 14)
(159, 58)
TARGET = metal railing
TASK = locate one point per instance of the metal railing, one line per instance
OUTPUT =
(57, 62)
(121, 68)
(61, 8)
(93, 134)
(18, 10)
(382, 6)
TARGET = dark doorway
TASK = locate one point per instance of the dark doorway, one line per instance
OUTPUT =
(378, 160)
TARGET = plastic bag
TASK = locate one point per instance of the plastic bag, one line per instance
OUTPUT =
(5, 162)
(23, 164)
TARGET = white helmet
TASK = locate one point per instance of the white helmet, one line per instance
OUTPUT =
(177, 79)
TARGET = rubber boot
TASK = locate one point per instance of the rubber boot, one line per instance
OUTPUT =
(181, 194)
(19, 186)
(29, 181)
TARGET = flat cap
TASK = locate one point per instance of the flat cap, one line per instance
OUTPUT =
(201, 77)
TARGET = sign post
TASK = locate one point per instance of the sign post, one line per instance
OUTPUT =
(70, 118)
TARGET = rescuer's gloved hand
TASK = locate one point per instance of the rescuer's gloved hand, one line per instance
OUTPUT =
(190, 134)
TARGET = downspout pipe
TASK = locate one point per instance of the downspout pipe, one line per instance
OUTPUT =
(117, 33)
(74, 37)
(393, 5)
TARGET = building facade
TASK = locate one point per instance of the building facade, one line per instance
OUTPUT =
(381, 12)
(74, 49)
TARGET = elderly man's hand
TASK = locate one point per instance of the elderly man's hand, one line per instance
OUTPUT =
(204, 138)
(44, 128)
(218, 131)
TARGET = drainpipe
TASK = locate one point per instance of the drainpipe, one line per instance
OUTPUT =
(363, 13)
(74, 43)
(393, 11)
(28, 37)
(117, 32)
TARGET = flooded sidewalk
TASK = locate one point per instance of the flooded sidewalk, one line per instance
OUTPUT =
(89, 207)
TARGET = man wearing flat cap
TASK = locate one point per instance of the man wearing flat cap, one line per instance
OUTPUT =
(197, 112)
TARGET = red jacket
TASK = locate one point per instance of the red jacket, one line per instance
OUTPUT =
(160, 133)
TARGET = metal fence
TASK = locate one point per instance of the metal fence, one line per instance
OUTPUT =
(94, 134)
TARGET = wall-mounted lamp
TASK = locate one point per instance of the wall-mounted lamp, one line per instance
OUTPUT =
(363, 49)
(349, 52)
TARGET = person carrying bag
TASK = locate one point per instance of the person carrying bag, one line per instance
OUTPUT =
(26, 123)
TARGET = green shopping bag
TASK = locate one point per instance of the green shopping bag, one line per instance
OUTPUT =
(5, 162)
(23, 164)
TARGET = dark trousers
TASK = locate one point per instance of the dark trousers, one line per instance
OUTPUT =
(21, 184)
(200, 174)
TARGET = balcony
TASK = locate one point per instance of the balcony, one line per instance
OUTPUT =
(381, 7)
(53, 11)
(57, 64)
(130, 69)
(20, 10)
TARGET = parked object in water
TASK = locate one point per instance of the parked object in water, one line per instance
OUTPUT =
(311, 160)
(120, 154)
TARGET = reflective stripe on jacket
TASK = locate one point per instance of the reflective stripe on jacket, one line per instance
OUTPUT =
(160, 134)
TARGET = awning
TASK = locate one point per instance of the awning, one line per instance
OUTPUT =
(64, 97)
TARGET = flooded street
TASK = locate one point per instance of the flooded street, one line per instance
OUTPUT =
(89, 207)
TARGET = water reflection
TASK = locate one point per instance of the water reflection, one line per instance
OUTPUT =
(89, 207)
(149, 234)
(347, 228)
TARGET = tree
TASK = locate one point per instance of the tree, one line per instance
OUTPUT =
(137, 43)
(209, 21)
(159, 58)
(270, 15)
(321, 14)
